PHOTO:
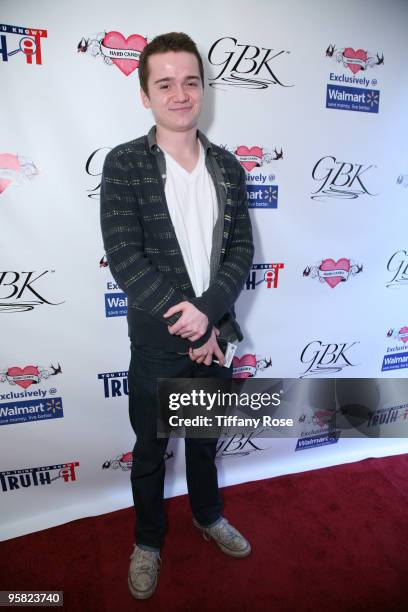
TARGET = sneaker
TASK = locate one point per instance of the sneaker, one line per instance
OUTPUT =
(143, 570)
(227, 537)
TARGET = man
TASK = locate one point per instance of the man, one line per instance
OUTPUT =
(178, 240)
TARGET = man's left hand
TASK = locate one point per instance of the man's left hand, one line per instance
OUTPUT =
(205, 353)
(192, 324)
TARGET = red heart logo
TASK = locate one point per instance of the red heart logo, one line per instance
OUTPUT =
(26, 373)
(116, 40)
(403, 334)
(330, 264)
(244, 151)
(8, 161)
(351, 54)
(244, 367)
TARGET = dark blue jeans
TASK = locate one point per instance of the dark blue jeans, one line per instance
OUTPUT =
(148, 467)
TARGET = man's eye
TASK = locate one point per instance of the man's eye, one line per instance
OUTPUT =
(192, 83)
(164, 86)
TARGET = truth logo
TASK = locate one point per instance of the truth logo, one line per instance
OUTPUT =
(21, 41)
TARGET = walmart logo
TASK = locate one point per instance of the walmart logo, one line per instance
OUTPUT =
(262, 196)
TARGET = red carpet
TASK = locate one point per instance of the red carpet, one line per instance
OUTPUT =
(328, 539)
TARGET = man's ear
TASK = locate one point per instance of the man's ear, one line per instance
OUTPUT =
(145, 98)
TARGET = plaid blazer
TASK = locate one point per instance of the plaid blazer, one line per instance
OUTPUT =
(143, 251)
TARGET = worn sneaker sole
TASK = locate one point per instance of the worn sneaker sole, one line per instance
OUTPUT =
(141, 594)
(238, 554)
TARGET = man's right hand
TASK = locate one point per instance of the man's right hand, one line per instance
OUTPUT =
(192, 324)
(206, 352)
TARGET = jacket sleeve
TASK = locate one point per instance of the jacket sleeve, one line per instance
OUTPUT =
(233, 271)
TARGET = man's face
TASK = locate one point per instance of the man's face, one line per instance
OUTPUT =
(175, 90)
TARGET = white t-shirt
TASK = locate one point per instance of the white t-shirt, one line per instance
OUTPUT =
(193, 207)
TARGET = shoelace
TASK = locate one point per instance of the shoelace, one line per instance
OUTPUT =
(224, 531)
(145, 560)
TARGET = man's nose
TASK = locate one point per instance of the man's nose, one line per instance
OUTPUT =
(180, 94)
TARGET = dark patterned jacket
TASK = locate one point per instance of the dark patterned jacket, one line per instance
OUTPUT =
(143, 251)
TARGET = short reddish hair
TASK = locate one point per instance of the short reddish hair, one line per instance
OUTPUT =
(172, 41)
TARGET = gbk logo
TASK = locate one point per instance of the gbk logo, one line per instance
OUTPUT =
(242, 65)
(94, 167)
(115, 49)
(333, 272)
(115, 384)
(398, 266)
(321, 358)
(239, 445)
(23, 291)
(339, 179)
(21, 41)
(267, 273)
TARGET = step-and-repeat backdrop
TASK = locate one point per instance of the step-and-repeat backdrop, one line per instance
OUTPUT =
(311, 98)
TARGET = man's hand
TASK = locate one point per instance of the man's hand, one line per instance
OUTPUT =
(192, 324)
(204, 354)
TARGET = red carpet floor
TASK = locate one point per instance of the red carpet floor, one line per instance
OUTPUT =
(328, 539)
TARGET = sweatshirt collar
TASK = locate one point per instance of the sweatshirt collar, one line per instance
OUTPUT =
(154, 147)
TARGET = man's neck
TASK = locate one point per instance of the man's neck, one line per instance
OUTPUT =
(178, 144)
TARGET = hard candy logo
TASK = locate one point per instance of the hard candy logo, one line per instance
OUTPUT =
(322, 358)
(240, 445)
(340, 179)
(115, 384)
(249, 365)
(356, 62)
(265, 274)
(398, 267)
(333, 272)
(23, 291)
(396, 354)
(15, 170)
(24, 381)
(21, 41)
(13, 480)
(115, 49)
(115, 301)
(256, 157)
(124, 461)
(94, 168)
(245, 66)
